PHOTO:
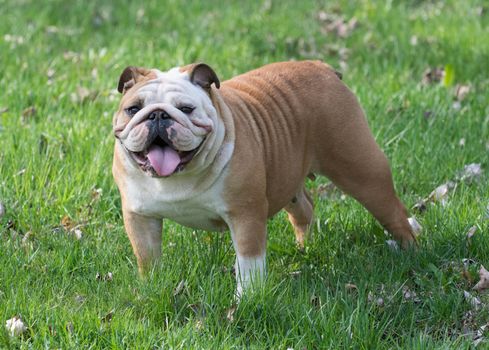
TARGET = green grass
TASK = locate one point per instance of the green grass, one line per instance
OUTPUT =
(51, 162)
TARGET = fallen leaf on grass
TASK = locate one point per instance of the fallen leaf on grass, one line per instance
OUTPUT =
(71, 227)
(28, 113)
(83, 94)
(440, 193)
(106, 278)
(15, 326)
(433, 75)
(26, 238)
(2, 210)
(409, 294)
(473, 301)
(315, 301)
(470, 233)
(420, 206)
(80, 298)
(230, 313)
(327, 190)
(67, 223)
(415, 226)
(74, 57)
(470, 173)
(107, 317)
(467, 275)
(77, 233)
(479, 335)
(336, 24)
(180, 288)
(96, 194)
(70, 328)
(20, 172)
(461, 91)
(483, 281)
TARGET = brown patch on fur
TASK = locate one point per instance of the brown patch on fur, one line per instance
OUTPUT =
(133, 75)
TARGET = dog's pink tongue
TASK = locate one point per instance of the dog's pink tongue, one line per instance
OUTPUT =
(163, 159)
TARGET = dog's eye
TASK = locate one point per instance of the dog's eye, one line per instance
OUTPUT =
(132, 110)
(186, 109)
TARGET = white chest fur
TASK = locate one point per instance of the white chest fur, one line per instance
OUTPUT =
(158, 198)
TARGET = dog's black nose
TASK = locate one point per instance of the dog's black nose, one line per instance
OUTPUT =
(158, 114)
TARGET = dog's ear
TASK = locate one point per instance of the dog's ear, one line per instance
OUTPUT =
(201, 74)
(130, 76)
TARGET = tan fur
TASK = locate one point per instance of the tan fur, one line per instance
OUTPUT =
(295, 118)
(286, 121)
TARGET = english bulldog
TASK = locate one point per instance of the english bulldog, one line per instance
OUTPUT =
(228, 156)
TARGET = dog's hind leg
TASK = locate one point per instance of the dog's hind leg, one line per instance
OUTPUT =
(300, 211)
(366, 176)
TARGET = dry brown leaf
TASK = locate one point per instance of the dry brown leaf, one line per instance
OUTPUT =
(96, 194)
(440, 194)
(26, 238)
(83, 94)
(483, 281)
(67, 223)
(180, 288)
(410, 294)
(470, 233)
(230, 313)
(433, 75)
(70, 328)
(336, 24)
(327, 190)
(420, 206)
(107, 317)
(473, 301)
(466, 275)
(461, 91)
(28, 113)
(315, 301)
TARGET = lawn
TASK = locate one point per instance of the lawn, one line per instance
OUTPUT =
(421, 72)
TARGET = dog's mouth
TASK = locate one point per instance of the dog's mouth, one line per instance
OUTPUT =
(161, 159)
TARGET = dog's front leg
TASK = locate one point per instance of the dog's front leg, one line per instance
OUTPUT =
(249, 236)
(144, 232)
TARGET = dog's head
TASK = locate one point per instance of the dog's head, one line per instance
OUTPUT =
(165, 117)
